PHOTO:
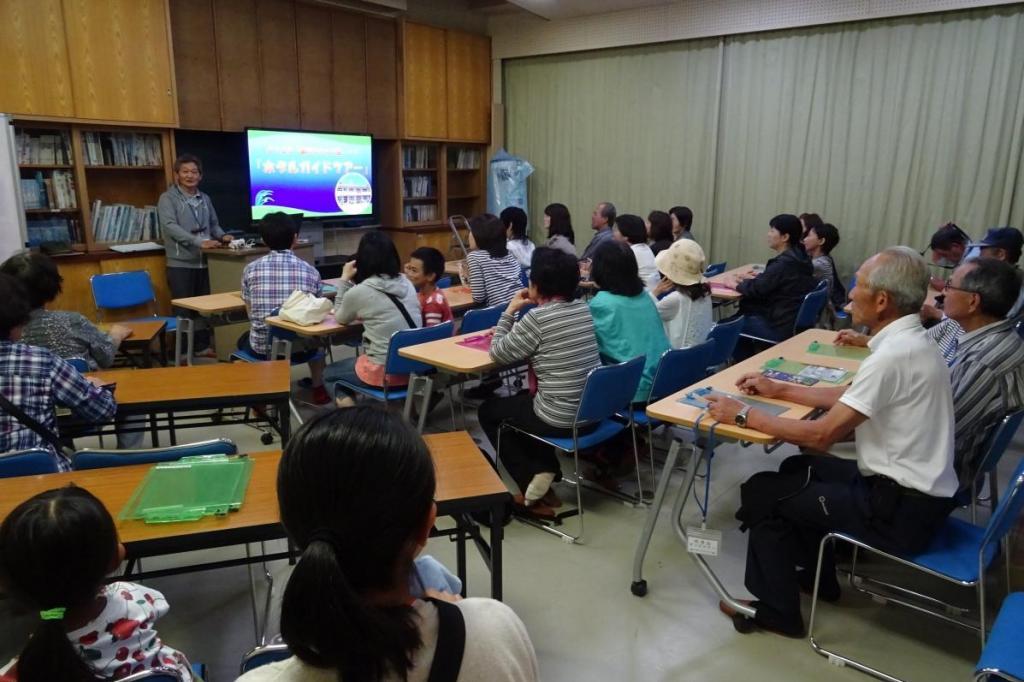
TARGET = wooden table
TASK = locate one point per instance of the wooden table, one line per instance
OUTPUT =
(141, 338)
(724, 294)
(212, 304)
(199, 387)
(448, 355)
(465, 482)
(671, 411)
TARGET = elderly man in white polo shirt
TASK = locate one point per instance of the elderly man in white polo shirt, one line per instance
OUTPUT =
(899, 410)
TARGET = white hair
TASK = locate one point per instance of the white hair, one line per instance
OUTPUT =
(901, 272)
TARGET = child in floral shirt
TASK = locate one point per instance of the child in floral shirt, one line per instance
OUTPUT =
(55, 551)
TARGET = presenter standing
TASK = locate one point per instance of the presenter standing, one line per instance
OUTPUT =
(189, 224)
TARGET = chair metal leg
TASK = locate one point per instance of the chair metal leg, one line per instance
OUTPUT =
(425, 404)
(636, 463)
(451, 405)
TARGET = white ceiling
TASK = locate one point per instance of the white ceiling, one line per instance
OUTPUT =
(565, 9)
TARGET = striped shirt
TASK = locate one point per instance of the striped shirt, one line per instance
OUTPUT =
(559, 341)
(946, 333)
(988, 383)
(493, 281)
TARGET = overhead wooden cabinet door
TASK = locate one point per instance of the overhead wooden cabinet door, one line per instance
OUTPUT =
(195, 64)
(36, 77)
(469, 87)
(425, 92)
(382, 78)
(279, 63)
(348, 55)
(120, 57)
(238, 63)
(313, 31)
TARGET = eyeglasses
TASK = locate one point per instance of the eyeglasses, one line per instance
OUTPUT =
(947, 286)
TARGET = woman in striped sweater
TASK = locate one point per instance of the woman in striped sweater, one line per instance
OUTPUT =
(557, 339)
(494, 273)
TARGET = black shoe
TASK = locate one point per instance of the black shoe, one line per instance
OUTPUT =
(763, 619)
(828, 591)
(483, 391)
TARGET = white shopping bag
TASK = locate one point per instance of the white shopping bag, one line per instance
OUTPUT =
(305, 309)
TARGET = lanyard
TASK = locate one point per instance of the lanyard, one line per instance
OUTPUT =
(192, 208)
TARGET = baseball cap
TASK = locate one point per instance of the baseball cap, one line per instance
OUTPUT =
(1008, 238)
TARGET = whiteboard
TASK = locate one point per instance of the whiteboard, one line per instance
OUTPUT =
(12, 215)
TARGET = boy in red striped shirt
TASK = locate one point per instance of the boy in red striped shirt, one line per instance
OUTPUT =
(424, 269)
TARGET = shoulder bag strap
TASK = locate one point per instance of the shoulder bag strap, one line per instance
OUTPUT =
(451, 642)
(45, 433)
(401, 309)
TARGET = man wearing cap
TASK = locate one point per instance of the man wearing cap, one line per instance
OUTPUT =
(685, 309)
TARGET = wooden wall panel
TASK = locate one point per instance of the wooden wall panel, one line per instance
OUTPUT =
(120, 57)
(424, 89)
(195, 64)
(279, 62)
(350, 72)
(36, 76)
(382, 78)
(238, 63)
(76, 294)
(313, 33)
(469, 86)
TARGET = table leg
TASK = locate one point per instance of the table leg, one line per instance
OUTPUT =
(163, 348)
(460, 552)
(284, 418)
(154, 434)
(147, 355)
(497, 533)
(639, 585)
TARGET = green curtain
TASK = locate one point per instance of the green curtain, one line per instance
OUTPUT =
(885, 128)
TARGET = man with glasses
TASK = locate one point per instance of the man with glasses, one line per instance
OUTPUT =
(189, 224)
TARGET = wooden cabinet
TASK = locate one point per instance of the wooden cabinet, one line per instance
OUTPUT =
(468, 62)
(279, 63)
(382, 78)
(424, 89)
(238, 61)
(36, 77)
(314, 36)
(195, 64)
(120, 57)
(348, 82)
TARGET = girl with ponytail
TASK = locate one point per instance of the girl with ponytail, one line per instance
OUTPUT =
(55, 552)
(356, 491)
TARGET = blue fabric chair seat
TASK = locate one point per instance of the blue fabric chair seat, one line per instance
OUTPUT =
(246, 356)
(605, 430)
(1003, 651)
(954, 550)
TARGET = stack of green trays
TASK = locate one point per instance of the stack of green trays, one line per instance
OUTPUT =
(189, 489)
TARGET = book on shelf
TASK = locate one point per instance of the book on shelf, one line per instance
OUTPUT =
(122, 149)
(464, 158)
(55, 191)
(417, 186)
(39, 148)
(418, 213)
(55, 229)
(123, 223)
(418, 156)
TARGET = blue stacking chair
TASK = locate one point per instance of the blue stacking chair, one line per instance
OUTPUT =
(959, 553)
(418, 372)
(27, 463)
(971, 481)
(444, 282)
(725, 335)
(119, 290)
(842, 314)
(806, 317)
(609, 390)
(90, 458)
(262, 655)
(715, 269)
(479, 319)
(1003, 656)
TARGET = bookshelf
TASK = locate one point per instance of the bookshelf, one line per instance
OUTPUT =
(91, 186)
(465, 180)
(420, 184)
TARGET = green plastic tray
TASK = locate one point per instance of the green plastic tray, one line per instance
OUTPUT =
(850, 352)
(189, 489)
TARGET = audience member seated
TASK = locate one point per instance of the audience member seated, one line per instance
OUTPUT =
(56, 550)
(772, 298)
(373, 291)
(494, 273)
(899, 410)
(356, 490)
(37, 381)
(659, 231)
(268, 281)
(948, 245)
(558, 224)
(630, 229)
(1004, 243)
(601, 220)
(809, 220)
(519, 244)
(625, 317)
(682, 222)
(685, 297)
(557, 339)
(425, 267)
(819, 240)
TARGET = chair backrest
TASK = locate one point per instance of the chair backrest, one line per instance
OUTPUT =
(995, 448)
(98, 459)
(679, 368)
(156, 675)
(715, 269)
(27, 463)
(1006, 513)
(262, 655)
(609, 389)
(524, 278)
(396, 364)
(78, 363)
(278, 332)
(480, 319)
(810, 309)
(1020, 329)
(444, 282)
(725, 336)
(122, 289)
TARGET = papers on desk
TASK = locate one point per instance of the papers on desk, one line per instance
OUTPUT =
(813, 373)
(698, 398)
(477, 342)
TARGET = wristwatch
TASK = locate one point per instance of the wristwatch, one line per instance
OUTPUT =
(741, 416)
